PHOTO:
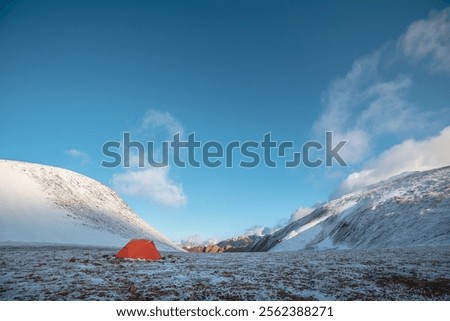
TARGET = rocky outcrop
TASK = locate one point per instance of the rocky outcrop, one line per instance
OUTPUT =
(211, 248)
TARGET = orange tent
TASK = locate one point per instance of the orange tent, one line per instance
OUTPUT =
(139, 249)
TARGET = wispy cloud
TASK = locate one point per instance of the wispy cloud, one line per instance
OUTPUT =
(410, 155)
(300, 213)
(368, 102)
(161, 123)
(78, 154)
(364, 105)
(428, 41)
(261, 230)
(152, 184)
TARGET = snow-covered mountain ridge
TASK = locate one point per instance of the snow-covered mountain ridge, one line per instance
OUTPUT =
(409, 210)
(40, 203)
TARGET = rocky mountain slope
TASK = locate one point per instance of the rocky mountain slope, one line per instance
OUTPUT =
(409, 210)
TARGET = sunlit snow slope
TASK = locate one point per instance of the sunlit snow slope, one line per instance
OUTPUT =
(47, 204)
(409, 210)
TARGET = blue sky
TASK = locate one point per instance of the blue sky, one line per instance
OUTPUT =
(76, 74)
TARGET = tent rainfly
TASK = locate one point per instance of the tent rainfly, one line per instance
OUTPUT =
(139, 249)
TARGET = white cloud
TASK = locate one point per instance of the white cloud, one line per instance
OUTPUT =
(362, 105)
(82, 156)
(150, 183)
(429, 40)
(386, 108)
(266, 230)
(260, 230)
(147, 182)
(411, 155)
(369, 102)
(162, 122)
(155, 126)
(343, 95)
(357, 146)
(300, 213)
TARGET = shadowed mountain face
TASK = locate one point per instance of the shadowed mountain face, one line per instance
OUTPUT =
(409, 210)
(47, 204)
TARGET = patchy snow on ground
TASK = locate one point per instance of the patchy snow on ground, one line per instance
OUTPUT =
(91, 273)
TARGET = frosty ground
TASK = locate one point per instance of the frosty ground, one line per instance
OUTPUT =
(86, 273)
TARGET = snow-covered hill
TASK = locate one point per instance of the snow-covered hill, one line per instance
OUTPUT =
(41, 203)
(409, 210)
